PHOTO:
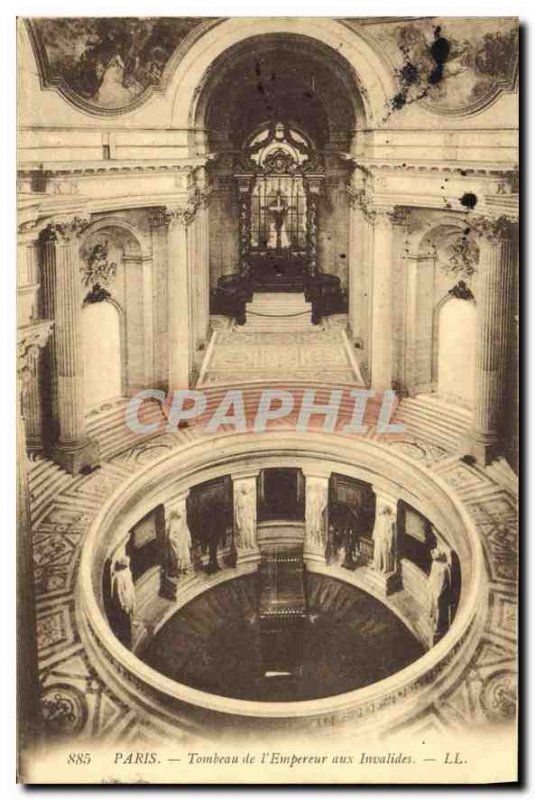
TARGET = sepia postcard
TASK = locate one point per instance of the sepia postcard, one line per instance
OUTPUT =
(267, 400)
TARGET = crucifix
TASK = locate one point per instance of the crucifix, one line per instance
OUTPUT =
(279, 210)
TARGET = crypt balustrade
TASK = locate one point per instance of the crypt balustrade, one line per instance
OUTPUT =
(167, 483)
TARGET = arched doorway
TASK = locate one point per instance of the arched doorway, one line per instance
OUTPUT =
(289, 102)
(456, 350)
(279, 184)
(101, 332)
(442, 282)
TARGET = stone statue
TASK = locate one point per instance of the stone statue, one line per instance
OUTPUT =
(245, 517)
(122, 586)
(385, 542)
(123, 597)
(179, 544)
(440, 594)
(316, 503)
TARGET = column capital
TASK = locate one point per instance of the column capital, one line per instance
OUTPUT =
(386, 498)
(245, 472)
(65, 231)
(493, 229)
(28, 232)
(317, 472)
(176, 214)
(176, 501)
(30, 339)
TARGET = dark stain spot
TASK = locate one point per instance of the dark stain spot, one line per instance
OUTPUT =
(342, 255)
(409, 73)
(440, 50)
(468, 200)
(399, 100)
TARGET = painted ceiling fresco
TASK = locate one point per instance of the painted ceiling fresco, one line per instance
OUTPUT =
(450, 65)
(108, 62)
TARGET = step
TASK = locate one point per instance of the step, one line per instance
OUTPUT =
(436, 405)
(448, 419)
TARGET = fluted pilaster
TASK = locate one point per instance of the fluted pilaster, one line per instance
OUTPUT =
(73, 450)
(30, 339)
(497, 263)
(27, 312)
(381, 322)
(177, 220)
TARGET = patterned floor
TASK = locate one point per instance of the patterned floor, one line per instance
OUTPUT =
(239, 355)
(75, 700)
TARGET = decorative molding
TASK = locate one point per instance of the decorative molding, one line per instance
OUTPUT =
(462, 260)
(30, 340)
(66, 230)
(112, 167)
(97, 269)
(461, 291)
(157, 81)
(469, 169)
(494, 229)
(97, 294)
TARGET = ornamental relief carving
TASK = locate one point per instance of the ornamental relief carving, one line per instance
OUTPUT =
(97, 268)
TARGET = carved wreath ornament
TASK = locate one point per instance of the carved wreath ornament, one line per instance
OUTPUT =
(97, 269)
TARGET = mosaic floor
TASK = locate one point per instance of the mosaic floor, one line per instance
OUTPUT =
(238, 355)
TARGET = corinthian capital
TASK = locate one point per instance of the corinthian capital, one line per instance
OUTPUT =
(183, 214)
(30, 339)
(494, 229)
(65, 231)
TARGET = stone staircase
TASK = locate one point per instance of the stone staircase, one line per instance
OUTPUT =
(279, 311)
(108, 426)
(45, 481)
(434, 420)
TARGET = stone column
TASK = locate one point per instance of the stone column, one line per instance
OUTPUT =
(202, 266)
(316, 514)
(389, 580)
(137, 374)
(179, 297)
(313, 194)
(245, 504)
(30, 338)
(360, 251)
(158, 224)
(177, 556)
(498, 260)
(27, 312)
(417, 359)
(73, 450)
(381, 307)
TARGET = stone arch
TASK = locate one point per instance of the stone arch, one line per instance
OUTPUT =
(438, 270)
(218, 103)
(129, 290)
(124, 232)
(373, 78)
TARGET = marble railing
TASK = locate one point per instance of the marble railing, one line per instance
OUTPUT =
(170, 705)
